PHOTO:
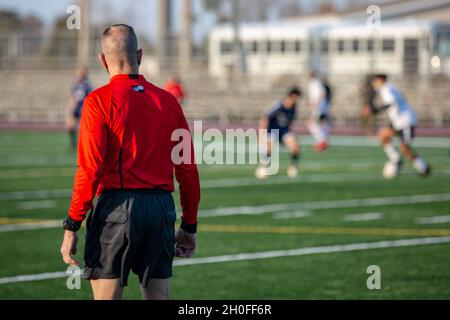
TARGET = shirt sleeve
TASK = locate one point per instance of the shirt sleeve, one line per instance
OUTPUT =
(272, 113)
(92, 148)
(316, 93)
(189, 183)
(386, 96)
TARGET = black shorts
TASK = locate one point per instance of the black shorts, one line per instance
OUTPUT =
(131, 230)
(283, 132)
(406, 135)
(323, 117)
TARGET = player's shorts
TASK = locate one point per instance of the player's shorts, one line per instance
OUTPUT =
(321, 113)
(406, 135)
(321, 116)
(283, 134)
(77, 112)
(131, 230)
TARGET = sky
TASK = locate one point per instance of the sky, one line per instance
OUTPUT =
(142, 14)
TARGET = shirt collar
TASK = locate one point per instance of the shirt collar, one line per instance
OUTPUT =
(127, 76)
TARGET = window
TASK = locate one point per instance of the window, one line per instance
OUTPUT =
(297, 46)
(323, 46)
(340, 46)
(254, 47)
(226, 47)
(442, 43)
(388, 45)
(282, 46)
(355, 45)
(370, 45)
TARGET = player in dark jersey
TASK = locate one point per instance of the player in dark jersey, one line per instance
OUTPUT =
(279, 119)
(81, 88)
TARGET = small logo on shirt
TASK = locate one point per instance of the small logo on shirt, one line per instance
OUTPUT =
(138, 88)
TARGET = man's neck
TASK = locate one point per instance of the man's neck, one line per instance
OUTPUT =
(125, 70)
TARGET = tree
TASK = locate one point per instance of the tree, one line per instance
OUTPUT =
(253, 10)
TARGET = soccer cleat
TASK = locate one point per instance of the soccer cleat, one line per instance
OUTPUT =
(399, 165)
(321, 146)
(392, 169)
(421, 166)
(427, 172)
(292, 171)
(261, 172)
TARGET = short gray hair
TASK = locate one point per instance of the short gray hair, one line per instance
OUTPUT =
(120, 40)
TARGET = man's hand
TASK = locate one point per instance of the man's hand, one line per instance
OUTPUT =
(185, 243)
(69, 247)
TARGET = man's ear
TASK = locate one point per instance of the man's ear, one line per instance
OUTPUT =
(139, 57)
(102, 58)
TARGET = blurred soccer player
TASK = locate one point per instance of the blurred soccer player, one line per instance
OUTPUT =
(280, 118)
(403, 121)
(319, 96)
(80, 89)
(125, 157)
(175, 87)
(367, 114)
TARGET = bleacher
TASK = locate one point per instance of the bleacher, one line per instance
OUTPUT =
(41, 96)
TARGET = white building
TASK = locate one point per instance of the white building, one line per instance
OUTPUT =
(338, 44)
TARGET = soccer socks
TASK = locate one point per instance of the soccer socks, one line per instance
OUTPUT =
(317, 132)
(326, 131)
(394, 157)
(294, 159)
(420, 165)
(391, 153)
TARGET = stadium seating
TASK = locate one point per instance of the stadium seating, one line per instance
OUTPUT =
(42, 96)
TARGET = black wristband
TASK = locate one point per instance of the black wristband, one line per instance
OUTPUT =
(189, 227)
(71, 225)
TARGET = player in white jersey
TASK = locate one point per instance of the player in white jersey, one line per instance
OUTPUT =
(319, 103)
(403, 122)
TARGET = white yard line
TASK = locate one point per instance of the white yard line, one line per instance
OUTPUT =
(36, 161)
(354, 141)
(263, 255)
(306, 178)
(33, 277)
(206, 184)
(333, 204)
(306, 165)
(274, 208)
(433, 220)
(292, 214)
(46, 224)
(39, 204)
(369, 216)
(436, 142)
(216, 183)
(36, 173)
(347, 141)
(421, 142)
(36, 194)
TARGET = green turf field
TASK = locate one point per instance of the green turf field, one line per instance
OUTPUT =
(274, 239)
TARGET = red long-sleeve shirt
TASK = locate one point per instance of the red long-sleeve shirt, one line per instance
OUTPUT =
(125, 142)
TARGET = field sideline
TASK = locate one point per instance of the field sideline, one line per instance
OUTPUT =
(312, 237)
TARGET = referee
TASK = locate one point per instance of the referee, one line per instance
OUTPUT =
(124, 157)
